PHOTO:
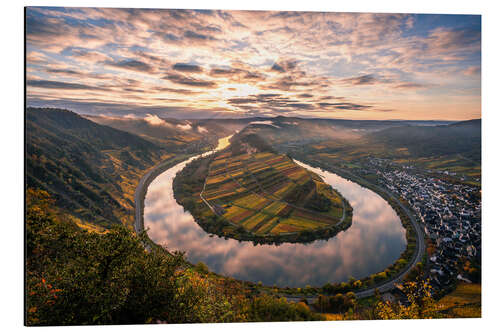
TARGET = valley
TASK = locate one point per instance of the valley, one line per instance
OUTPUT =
(251, 198)
(249, 192)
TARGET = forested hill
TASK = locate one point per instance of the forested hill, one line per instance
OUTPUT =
(457, 138)
(90, 169)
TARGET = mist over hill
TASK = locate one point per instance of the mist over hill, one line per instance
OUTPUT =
(456, 138)
(175, 134)
(88, 165)
(242, 143)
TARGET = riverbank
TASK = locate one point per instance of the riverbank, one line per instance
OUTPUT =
(147, 179)
(142, 188)
(291, 293)
(415, 249)
(189, 185)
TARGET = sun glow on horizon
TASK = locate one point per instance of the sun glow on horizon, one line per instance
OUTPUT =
(237, 90)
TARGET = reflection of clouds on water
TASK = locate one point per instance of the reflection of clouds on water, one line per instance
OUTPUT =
(374, 241)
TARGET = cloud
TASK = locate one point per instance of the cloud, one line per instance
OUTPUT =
(225, 71)
(284, 66)
(182, 67)
(167, 37)
(176, 91)
(292, 59)
(264, 122)
(450, 40)
(303, 106)
(36, 58)
(154, 120)
(95, 107)
(39, 28)
(63, 71)
(240, 74)
(305, 95)
(132, 65)
(89, 56)
(48, 84)
(196, 36)
(410, 85)
(276, 102)
(473, 71)
(201, 129)
(344, 106)
(189, 81)
(185, 127)
(361, 80)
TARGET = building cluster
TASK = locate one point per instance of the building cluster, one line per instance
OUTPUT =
(449, 212)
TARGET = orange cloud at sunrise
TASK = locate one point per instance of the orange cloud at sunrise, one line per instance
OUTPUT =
(206, 64)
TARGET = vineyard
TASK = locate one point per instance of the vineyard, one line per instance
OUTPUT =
(269, 194)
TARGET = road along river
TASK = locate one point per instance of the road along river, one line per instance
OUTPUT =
(375, 239)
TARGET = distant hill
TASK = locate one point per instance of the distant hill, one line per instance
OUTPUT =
(457, 138)
(171, 134)
(88, 168)
(174, 134)
(467, 123)
(283, 130)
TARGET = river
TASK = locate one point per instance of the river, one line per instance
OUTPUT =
(375, 239)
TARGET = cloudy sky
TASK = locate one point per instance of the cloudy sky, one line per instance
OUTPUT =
(208, 64)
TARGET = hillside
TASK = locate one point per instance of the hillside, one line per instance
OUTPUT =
(74, 277)
(91, 170)
(457, 138)
(453, 147)
(173, 135)
(253, 193)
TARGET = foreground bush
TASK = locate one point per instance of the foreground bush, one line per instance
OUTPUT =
(268, 308)
(74, 277)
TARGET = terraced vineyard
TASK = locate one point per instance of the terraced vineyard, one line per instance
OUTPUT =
(266, 193)
(250, 192)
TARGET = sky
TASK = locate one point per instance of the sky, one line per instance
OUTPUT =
(233, 64)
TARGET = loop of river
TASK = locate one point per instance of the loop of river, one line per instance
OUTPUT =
(375, 239)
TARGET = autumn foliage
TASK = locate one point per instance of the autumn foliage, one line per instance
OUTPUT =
(75, 277)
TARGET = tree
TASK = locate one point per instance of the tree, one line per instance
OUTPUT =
(269, 308)
(201, 268)
(76, 277)
(420, 303)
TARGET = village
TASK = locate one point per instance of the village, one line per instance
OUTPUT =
(450, 215)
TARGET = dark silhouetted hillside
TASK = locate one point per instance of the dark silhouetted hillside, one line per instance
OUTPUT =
(89, 169)
(458, 138)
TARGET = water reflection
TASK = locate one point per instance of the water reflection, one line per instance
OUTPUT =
(374, 241)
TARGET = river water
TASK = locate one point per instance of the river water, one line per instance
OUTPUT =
(375, 239)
